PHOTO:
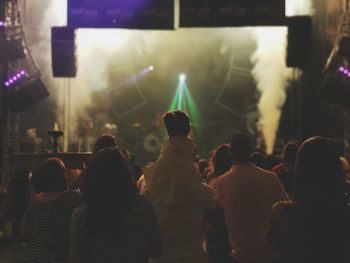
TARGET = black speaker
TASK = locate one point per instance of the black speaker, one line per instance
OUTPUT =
(25, 96)
(11, 50)
(299, 48)
(63, 52)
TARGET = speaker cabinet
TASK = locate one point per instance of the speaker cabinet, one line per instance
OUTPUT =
(63, 52)
(25, 96)
(299, 48)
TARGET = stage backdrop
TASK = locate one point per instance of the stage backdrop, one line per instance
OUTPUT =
(231, 13)
(130, 14)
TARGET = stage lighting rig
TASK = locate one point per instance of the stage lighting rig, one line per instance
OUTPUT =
(336, 73)
(18, 91)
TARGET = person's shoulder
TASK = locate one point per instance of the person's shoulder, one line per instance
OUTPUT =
(281, 207)
(80, 210)
(223, 177)
(268, 174)
(216, 182)
(278, 168)
(72, 195)
(78, 218)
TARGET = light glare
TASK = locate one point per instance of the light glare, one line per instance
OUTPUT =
(182, 77)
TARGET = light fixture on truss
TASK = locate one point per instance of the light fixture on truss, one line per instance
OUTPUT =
(336, 83)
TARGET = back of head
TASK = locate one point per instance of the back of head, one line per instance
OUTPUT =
(222, 160)
(240, 149)
(177, 123)
(105, 141)
(319, 176)
(109, 193)
(289, 154)
(51, 176)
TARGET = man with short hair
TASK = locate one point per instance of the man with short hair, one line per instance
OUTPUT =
(247, 194)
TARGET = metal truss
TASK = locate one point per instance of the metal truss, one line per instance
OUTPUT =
(9, 128)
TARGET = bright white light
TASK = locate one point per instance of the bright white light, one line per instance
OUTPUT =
(151, 68)
(299, 7)
(109, 40)
(182, 77)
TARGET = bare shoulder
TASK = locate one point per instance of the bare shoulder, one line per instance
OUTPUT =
(280, 207)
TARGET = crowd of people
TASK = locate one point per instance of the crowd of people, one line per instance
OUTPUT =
(235, 207)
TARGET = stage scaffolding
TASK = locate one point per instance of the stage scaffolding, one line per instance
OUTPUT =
(11, 30)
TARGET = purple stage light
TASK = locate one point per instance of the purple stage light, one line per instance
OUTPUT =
(345, 71)
(15, 78)
(2, 23)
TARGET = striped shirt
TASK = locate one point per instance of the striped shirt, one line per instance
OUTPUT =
(48, 228)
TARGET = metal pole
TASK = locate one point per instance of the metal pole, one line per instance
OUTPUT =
(3, 100)
(3, 119)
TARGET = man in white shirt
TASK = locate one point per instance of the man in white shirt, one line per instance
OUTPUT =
(247, 194)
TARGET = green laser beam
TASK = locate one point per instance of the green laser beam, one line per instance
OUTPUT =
(183, 100)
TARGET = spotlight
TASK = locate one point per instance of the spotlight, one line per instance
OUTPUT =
(151, 68)
(182, 77)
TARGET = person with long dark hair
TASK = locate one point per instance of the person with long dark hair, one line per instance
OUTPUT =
(115, 224)
(314, 227)
(221, 161)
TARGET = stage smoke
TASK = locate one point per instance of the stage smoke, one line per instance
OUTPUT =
(271, 76)
(95, 50)
(270, 71)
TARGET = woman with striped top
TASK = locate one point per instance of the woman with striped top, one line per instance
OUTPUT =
(46, 220)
